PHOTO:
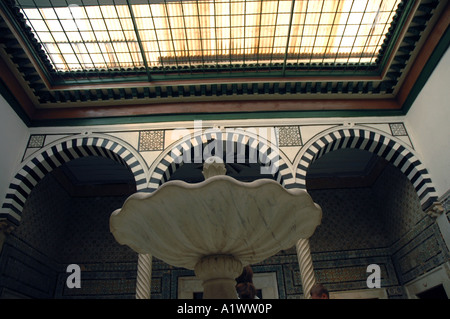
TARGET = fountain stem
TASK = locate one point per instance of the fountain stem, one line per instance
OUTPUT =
(218, 273)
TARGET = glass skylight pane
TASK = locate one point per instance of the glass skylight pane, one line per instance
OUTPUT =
(208, 32)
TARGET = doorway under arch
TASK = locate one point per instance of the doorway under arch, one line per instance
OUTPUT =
(372, 214)
(373, 141)
(65, 221)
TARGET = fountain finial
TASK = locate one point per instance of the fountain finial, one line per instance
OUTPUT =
(213, 166)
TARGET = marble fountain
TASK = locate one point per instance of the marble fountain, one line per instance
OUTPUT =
(215, 227)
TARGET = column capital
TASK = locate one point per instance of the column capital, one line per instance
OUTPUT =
(435, 210)
(6, 227)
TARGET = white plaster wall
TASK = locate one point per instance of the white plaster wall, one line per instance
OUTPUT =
(428, 122)
(13, 140)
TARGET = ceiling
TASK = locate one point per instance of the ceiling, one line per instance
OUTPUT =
(41, 95)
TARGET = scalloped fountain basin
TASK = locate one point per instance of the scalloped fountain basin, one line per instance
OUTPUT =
(215, 227)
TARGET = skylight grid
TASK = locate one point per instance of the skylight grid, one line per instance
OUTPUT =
(204, 33)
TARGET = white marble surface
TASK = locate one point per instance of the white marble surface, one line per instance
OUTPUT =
(180, 223)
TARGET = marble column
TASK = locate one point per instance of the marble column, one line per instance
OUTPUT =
(144, 276)
(306, 267)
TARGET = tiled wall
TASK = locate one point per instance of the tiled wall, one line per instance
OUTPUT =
(350, 220)
(58, 230)
(417, 245)
(397, 203)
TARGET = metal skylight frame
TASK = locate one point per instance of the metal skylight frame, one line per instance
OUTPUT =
(284, 63)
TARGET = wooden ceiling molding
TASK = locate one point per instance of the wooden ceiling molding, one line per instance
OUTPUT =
(417, 38)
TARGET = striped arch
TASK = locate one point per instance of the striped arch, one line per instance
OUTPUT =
(374, 141)
(63, 151)
(239, 141)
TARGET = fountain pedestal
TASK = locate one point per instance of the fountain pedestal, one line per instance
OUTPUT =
(218, 273)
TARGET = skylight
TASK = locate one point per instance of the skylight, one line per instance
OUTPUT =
(97, 35)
